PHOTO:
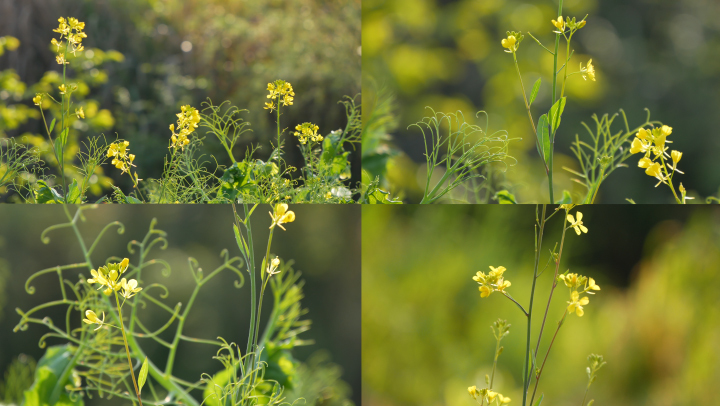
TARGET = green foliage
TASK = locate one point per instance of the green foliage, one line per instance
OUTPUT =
(17, 379)
(54, 379)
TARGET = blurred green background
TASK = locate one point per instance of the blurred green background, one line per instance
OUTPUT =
(324, 241)
(425, 329)
(446, 54)
(179, 52)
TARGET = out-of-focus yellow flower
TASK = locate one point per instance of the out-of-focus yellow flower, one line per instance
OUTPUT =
(571, 280)
(72, 30)
(92, 318)
(577, 225)
(281, 215)
(270, 105)
(473, 391)
(503, 399)
(307, 132)
(37, 100)
(576, 303)
(676, 157)
(588, 71)
(559, 24)
(63, 89)
(80, 113)
(121, 159)
(592, 285)
(492, 282)
(509, 42)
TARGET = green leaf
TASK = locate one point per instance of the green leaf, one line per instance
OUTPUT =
(53, 373)
(535, 90)
(505, 197)
(44, 194)
(566, 198)
(74, 195)
(540, 400)
(142, 377)
(543, 137)
(555, 116)
(52, 125)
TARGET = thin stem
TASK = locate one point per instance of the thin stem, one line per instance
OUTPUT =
(527, 105)
(127, 350)
(669, 178)
(518, 304)
(492, 376)
(554, 99)
(538, 246)
(560, 323)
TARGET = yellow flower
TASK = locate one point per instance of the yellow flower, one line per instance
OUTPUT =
(577, 303)
(559, 24)
(644, 162)
(121, 160)
(129, 288)
(307, 132)
(571, 280)
(638, 146)
(188, 120)
(485, 291)
(577, 225)
(473, 391)
(497, 272)
(271, 269)
(282, 91)
(509, 42)
(655, 171)
(80, 113)
(63, 89)
(643, 134)
(108, 276)
(92, 318)
(270, 106)
(491, 282)
(37, 100)
(282, 215)
(666, 130)
(490, 395)
(592, 285)
(503, 399)
(589, 71)
(676, 156)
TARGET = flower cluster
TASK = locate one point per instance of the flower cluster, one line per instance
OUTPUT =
(512, 42)
(72, 31)
(491, 282)
(578, 285)
(121, 159)
(487, 395)
(652, 144)
(307, 131)
(281, 215)
(108, 277)
(281, 91)
(188, 119)
(577, 225)
(569, 23)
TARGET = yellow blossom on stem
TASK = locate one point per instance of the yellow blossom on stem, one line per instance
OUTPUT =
(80, 113)
(281, 91)
(491, 282)
(188, 120)
(577, 225)
(129, 288)
(307, 132)
(509, 42)
(108, 276)
(37, 100)
(576, 303)
(281, 215)
(92, 318)
(588, 71)
(559, 24)
(272, 268)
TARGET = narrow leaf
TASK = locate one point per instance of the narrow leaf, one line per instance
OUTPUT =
(555, 116)
(505, 197)
(52, 125)
(142, 377)
(543, 137)
(566, 198)
(535, 90)
(540, 400)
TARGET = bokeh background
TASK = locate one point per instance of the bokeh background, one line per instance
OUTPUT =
(177, 52)
(656, 54)
(425, 329)
(324, 241)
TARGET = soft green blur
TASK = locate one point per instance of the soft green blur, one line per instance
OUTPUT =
(447, 55)
(426, 331)
(182, 52)
(324, 242)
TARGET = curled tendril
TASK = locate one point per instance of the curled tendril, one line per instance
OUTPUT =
(43, 236)
(163, 295)
(130, 246)
(156, 240)
(120, 230)
(23, 323)
(195, 269)
(165, 266)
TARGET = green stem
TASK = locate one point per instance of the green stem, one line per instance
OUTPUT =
(127, 350)
(669, 178)
(554, 99)
(538, 246)
(61, 158)
(546, 355)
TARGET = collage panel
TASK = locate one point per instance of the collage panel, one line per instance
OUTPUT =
(541, 101)
(177, 101)
(491, 304)
(207, 308)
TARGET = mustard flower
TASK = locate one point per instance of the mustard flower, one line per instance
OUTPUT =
(121, 159)
(37, 100)
(576, 303)
(129, 288)
(503, 399)
(108, 276)
(80, 113)
(307, 132)
(72, 30)
(588, 71)
(63, 89)
(271, 269)
(577, 225)
(559, 24)
(473, 391)
(281, 216)
(281, 91)
(492, 282)
(188, 120)
(509, 42)
(676, 157)
(92, 318)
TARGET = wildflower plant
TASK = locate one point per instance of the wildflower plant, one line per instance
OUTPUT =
(188, 174)
(106, 336)
(579, 289)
